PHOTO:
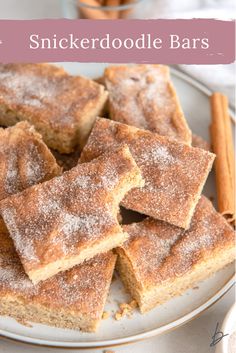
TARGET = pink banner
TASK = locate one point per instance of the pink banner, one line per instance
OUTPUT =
(196, 41)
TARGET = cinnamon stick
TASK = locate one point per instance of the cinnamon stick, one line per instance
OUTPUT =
(222, 144)
(126, 13)
(113, 14)
(93, 14)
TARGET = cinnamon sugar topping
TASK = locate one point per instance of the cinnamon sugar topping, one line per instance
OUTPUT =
(62, 217)
(60, 106)
(84, 287)
(40, 87)
(174, 173)
(24, 159)
(143, 96)
(159, 251)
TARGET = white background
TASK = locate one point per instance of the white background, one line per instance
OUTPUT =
(194, 337)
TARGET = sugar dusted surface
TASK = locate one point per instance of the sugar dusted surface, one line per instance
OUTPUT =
(160, 252)
(24, 159)
(143, 96)
(83, 288)
(174, 173)
(59, 218)
(12, 275)
(34, 90)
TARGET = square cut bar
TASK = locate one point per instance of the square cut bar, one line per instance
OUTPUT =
(61, 107)
(25, 160)
(174, 173)
(144, 96)
(71, 218)
(160, 261)
(73, 299)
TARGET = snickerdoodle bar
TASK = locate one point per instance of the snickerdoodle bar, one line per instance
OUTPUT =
(61, 107)
(144, 96)
(73, 299)
(71, 218)
(160, 261)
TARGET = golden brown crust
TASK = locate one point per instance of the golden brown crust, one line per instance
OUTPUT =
(60, 223)
(60, 106)
(80, 292)
(144, 96)
(160, 253)
(25, 160)
(174, 173)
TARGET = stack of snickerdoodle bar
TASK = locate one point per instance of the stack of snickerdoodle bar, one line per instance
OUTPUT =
(60, 231)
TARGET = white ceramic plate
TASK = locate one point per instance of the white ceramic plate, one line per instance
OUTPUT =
(195, 102)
